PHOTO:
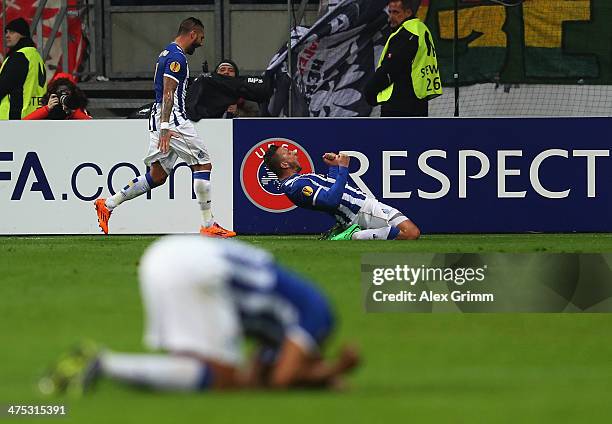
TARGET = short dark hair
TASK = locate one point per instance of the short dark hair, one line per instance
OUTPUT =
(272, 161)
(406, 4)
(189, 25)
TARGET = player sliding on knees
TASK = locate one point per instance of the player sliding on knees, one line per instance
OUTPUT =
(358, 216)
(197, 312)
(172, 135)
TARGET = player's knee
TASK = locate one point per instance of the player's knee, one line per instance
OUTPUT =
(158, 176)
(159, 179)
(411, 232)
(414, 233)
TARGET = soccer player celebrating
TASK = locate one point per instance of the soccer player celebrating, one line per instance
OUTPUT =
(198, 310)
(361, 217)
(172, 135)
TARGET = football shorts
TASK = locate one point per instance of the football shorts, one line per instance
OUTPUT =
(185, 143)
(187, 303)
(374, 214)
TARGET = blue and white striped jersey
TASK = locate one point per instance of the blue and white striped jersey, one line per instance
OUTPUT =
(274, 303)
(171, 63)
(306, 191)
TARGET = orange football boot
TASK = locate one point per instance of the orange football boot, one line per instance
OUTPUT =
(104, 214)
(216, 230)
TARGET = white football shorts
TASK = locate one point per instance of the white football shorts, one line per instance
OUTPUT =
(187, 302)
(374, 214)
(185, 143)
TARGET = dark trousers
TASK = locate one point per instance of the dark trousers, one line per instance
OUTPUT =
(420, 109)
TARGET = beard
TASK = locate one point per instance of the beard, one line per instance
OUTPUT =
(189, 50)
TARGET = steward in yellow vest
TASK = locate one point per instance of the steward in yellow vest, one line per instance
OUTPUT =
(407, 75)
(23, 79)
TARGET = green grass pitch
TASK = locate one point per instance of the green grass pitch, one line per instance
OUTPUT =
(470, 368)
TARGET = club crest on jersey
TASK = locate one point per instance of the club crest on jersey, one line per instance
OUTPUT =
(175, 66)
(260, 185)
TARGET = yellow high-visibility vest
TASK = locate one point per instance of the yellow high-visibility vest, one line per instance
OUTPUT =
(425, 72)
(34, 87)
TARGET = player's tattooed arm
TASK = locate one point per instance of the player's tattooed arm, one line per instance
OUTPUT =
(167, 103)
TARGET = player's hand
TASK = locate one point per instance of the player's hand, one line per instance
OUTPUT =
(330, 159)
(233, 109)
(53, 101)
(164, 140)
(343, 160)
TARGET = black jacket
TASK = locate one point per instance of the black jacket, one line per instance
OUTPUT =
(13, 77)
(396, 68)
(210, 95)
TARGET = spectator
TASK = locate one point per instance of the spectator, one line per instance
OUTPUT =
(229, 68)
(225, 94)
(242, 107)
(64, 100)
(23, 78)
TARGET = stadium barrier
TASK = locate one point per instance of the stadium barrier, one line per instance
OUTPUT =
(51, 171)
(448, 175)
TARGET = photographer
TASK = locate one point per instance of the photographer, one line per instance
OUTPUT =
(224, 93)
(64, 100)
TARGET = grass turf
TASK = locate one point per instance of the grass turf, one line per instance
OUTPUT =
(485, 368)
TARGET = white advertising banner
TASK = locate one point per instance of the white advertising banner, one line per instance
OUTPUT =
(52, 171)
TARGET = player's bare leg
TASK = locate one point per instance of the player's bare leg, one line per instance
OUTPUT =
(158, 174)
(408, 231)
(201, 186)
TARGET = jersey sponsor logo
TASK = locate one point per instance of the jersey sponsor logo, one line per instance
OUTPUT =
(175, 67)
(260, 185)
(307, 191)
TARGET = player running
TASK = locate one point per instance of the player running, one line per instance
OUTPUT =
(359, 216)
(198, 310)
(172, 135)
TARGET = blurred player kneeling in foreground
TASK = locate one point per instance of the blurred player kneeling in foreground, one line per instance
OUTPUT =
(358, 216)
(198, 310)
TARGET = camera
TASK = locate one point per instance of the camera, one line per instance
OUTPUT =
(68, 99)
(64, 98)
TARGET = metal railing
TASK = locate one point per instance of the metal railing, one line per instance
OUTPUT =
(61, 21)
(222, 32)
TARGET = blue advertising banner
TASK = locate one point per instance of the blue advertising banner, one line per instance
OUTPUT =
(466, 175)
